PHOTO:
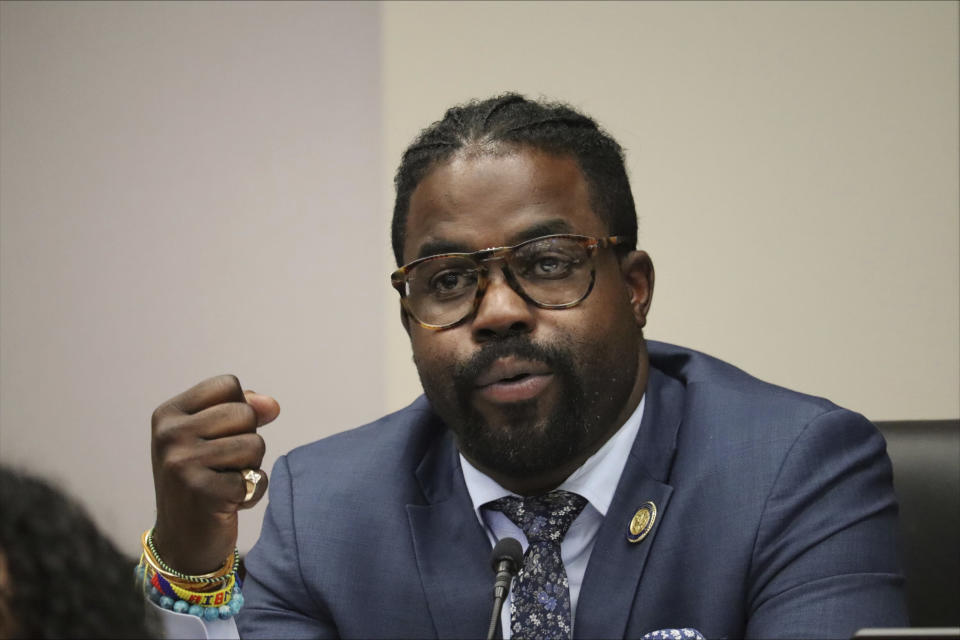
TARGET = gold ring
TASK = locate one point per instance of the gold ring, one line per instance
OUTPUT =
(251, 478)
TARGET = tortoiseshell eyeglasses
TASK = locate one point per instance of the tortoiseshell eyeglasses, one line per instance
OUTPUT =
(551, 272)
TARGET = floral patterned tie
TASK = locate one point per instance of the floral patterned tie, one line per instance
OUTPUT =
(540, 609)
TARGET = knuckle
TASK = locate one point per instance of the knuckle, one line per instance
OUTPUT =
(242, 414)
(229, 383)
(165, 434)
(248, 413)
(233, 446)
(261, 448)
(250, 448)
(177, 463)
(155, 417)
(196, 483)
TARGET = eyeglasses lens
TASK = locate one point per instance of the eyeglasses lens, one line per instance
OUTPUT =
(553, 272)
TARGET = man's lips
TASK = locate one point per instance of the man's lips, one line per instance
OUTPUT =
(513, 380)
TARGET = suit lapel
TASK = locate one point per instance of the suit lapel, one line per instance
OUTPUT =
(452, 550)
(616, 565)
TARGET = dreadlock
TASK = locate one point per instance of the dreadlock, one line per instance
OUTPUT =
(514, 121)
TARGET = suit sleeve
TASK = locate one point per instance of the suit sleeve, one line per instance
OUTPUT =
(825, 559)
(278, 603)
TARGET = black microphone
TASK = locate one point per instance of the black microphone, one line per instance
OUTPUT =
(506, 559)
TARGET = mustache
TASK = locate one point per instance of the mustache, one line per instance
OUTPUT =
(518, 346)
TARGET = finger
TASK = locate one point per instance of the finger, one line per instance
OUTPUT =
(266, 407)
(219, 421)
(210, 469)
(243, 451)
(182, 463)
(223, 491)
(210, 392)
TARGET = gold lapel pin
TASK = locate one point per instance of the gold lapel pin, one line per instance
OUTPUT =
(642, 522)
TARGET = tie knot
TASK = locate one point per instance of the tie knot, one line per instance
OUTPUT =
(542, 518)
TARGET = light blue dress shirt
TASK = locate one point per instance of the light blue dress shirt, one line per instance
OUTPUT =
(596, 480)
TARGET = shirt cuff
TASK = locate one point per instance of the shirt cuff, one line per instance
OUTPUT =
(177, 626)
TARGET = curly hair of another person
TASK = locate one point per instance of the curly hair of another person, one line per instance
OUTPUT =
(65, 578)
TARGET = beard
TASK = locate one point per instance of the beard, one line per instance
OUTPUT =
(524, 439)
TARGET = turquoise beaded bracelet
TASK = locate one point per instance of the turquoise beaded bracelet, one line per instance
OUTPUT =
(211, 613)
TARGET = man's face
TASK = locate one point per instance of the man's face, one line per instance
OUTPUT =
(529, 393)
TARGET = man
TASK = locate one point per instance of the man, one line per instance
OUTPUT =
(694, 495)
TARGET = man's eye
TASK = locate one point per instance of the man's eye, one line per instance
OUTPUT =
(450, 282)
(550, 266)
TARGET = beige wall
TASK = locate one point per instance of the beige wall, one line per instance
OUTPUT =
(795, 167)
(181, 191)
(193, 188)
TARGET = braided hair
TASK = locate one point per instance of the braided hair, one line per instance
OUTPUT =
(62, 577)
(511, 120)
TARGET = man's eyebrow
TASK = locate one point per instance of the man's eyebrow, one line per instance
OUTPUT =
(546, 228)
(435, 247)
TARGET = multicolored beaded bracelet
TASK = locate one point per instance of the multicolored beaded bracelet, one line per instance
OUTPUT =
(211, 596)
(203, 598)
(208, 612)
(168, 585)
(229, 566)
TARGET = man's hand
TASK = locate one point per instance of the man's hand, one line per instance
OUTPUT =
(201, 441)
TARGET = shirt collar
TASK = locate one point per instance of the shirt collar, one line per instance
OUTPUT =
(596, 479)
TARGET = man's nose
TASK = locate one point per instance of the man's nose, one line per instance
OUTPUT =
(502, 311)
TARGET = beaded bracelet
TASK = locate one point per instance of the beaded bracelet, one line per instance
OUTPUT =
(231, 603)
(153, 573)
(209, 613)
(229, 567)
(203, 598)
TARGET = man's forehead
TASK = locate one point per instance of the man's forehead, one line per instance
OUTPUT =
(475, 202)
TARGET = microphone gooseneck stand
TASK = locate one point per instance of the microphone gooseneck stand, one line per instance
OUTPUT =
(505, 560)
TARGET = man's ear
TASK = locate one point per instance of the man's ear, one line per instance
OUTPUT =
(637, 270)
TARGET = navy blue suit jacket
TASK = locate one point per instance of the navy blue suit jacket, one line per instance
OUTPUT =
(776, 518)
